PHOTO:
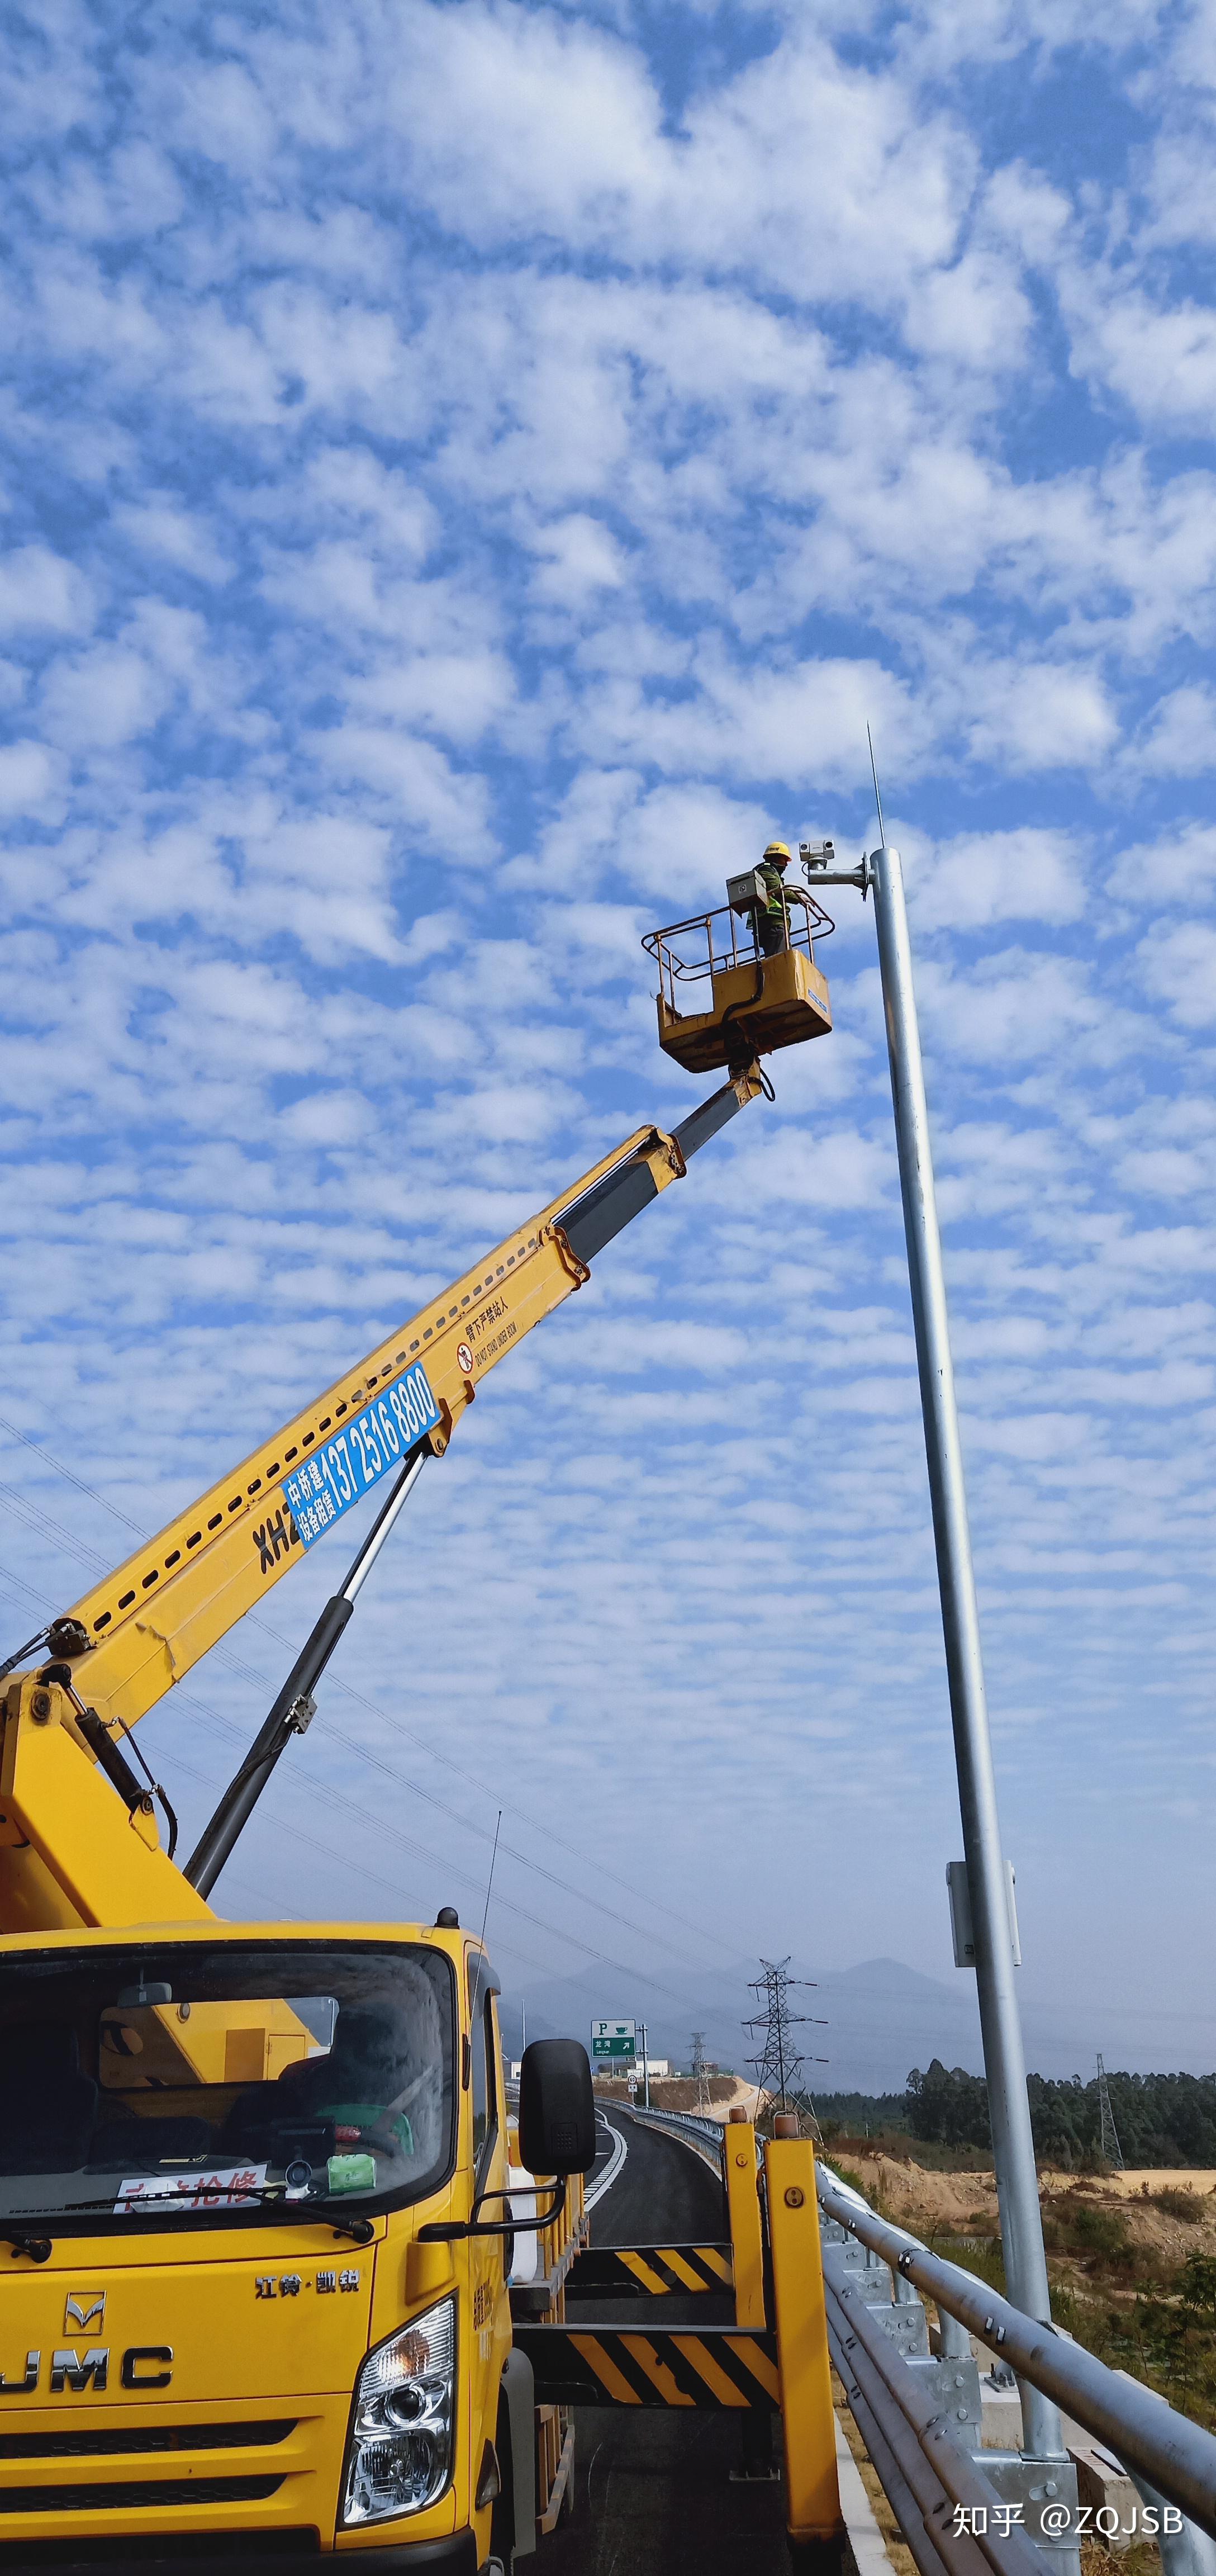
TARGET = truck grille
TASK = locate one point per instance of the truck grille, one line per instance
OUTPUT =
(83, 2445)
(133, 2493)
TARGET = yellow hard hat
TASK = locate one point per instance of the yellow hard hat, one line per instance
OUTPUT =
(778, 850)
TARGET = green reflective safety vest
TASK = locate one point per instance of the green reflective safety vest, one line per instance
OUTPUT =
(776, 888)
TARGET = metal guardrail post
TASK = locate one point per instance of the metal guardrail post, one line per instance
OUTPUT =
(1000, 2022)
(945, 2474)
(1188, 2552)
(808, 2424)
(955, 2340)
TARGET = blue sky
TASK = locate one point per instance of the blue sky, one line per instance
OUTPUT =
(471, 473)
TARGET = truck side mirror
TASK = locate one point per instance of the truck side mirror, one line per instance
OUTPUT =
(556, 2108)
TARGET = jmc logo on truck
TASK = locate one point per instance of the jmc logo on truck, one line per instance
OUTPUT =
(143, 2365)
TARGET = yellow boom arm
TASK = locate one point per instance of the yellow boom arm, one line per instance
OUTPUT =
(152, 1619)
(70, 1851)
(144, 1626)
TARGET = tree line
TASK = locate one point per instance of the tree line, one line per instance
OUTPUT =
(1162, 2120)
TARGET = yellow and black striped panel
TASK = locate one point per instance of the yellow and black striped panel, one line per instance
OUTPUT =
(721, 2368)
(656, 2271)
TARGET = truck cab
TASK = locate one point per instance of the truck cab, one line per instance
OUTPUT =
(243, 2317)
(258, 2194)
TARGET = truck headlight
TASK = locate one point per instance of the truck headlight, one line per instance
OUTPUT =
(399, 2457)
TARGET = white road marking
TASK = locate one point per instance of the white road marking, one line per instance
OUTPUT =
(605, 2180)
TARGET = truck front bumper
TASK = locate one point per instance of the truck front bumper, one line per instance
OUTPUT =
(232, 2555)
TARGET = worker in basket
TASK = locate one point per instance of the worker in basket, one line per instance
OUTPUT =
(773, 923)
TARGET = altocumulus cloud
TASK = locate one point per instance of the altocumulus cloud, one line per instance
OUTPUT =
(473, 471)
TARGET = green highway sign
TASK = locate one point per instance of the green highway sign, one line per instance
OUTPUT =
(614, 2039)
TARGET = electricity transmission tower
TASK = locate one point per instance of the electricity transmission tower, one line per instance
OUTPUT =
(698, 2068)
(779, 2063)
(1110, 2148)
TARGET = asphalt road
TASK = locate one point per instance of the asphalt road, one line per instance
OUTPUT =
(653, 2492)
(663, 2194)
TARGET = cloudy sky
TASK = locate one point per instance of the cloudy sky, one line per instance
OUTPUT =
(472, 472)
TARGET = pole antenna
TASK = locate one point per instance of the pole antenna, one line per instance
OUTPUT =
(490, 1880)
(882, 829)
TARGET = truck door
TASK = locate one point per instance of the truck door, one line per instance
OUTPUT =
(489, 2303)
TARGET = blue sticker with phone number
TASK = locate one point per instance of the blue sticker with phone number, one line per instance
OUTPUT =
(348, 1465)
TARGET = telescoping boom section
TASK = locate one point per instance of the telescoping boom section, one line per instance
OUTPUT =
(128, 1640)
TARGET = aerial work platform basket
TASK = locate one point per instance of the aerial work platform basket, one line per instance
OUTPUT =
(722, 1001)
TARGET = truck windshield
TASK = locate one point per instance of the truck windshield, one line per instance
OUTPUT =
(201, 2080)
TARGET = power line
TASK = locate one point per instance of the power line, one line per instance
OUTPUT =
(47, 1528)
(189, 1699)
(329, 1851)
(50, 1529)
(367, 1816)
(380, 1824)
(556, 1932)
(25, 1590)
(55, 1531)
(411, 1737)
(359, 1869)
(343, 1859)
(78, 1481)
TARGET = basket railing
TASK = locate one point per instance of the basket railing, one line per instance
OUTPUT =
(692, 952)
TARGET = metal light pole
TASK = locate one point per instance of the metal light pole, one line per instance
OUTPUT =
(1000, 2021)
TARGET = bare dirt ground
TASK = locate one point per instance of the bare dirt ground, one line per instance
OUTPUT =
(1131, 2185)
(962, 2204)
(680, 2093)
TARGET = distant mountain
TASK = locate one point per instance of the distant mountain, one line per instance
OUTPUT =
(885, 2018)
(882, 2018)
